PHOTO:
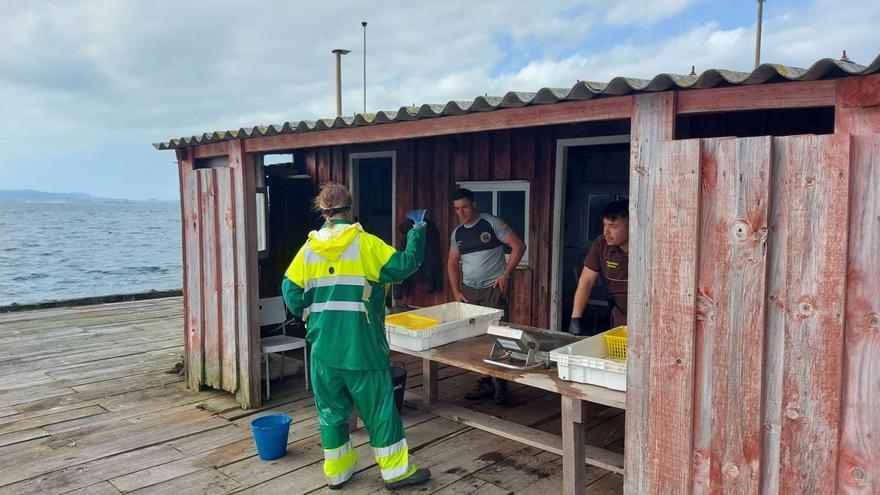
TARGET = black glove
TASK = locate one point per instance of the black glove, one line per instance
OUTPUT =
(575, 327)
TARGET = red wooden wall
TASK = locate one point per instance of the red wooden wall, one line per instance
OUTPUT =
(755, 293)
(220, 288)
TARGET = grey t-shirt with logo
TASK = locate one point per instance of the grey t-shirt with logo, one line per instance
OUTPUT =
(482, 250)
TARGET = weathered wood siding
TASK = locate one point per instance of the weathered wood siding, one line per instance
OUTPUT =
(746, 376)
(219, 275)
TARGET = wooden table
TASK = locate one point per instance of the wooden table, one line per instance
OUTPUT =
(576, 398)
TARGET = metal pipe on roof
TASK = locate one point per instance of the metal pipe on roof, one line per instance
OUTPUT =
(758, 33)
(339, 53)
(364, 24)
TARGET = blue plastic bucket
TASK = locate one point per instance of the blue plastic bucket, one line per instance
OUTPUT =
(270, 434)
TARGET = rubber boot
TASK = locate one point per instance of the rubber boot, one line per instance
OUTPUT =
(417, 478)
(482, 390)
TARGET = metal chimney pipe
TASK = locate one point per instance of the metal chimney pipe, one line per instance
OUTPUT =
(339, 53)
(758, 33)
(364, 25)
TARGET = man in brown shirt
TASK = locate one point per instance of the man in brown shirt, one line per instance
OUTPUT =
(608, 256)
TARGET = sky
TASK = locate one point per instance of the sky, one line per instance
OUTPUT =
(87, 86)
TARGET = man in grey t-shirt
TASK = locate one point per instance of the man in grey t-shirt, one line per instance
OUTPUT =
(478, 272)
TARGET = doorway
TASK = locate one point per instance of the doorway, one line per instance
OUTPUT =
(372, 177)
(590, 173)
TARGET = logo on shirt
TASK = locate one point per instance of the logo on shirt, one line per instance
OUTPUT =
(485, 237)
(612, 264)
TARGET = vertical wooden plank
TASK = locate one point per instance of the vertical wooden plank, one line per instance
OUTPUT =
(672, 301)
(226, 275)
(524, 154)
(859, 468)
(573, 446)
(311, 159)
(210, 276)
(480, 156)
(461, 157)
(423, 187)
(806, 289)
(323, 164)
(338, 165)
(734, 208)
(653, 120)
(405, 180)
(247, 292)
(521, 301)
(501, 154)
(192, 270)
(857, 113)
(440, 213)
(541, 228)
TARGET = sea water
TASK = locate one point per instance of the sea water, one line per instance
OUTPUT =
(53, 251)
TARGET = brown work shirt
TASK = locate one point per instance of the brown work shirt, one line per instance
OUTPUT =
(613, 264)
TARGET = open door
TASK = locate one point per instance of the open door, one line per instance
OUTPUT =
(372, 179)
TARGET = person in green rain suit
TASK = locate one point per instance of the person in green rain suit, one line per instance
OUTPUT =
(336, 284)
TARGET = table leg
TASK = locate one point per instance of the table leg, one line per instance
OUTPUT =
(429, 381)
(573, 454)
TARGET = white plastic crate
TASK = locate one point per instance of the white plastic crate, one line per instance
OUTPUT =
(457, 321)
(587, 361)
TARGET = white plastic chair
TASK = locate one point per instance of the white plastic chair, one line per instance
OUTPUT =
(272, 313)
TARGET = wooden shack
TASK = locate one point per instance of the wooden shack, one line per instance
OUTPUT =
(755, 271)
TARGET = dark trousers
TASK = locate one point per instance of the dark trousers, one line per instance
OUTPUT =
(489, 297)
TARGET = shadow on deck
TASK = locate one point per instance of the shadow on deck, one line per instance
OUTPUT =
(88, 406)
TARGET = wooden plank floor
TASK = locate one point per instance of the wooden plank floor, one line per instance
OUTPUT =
(88, 406)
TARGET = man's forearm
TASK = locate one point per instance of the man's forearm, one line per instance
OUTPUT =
(581, 296)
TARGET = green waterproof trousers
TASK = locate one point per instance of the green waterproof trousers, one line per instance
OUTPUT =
(371, 391)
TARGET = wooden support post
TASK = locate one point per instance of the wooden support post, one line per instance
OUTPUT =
(429, 381)
(858, 113)
(573, 448)
(653, 119)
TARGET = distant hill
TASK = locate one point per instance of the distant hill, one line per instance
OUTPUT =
(32, 196)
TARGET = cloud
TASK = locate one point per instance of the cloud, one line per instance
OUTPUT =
(84, 75)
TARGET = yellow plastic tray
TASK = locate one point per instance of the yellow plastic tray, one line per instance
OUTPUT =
(411, 321)
(615, 339)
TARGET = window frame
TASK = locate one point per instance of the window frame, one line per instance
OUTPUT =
(496, 186)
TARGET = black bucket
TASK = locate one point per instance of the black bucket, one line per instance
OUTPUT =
(398, 380)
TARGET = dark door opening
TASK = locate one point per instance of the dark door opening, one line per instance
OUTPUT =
(373, 194)
(595, 176)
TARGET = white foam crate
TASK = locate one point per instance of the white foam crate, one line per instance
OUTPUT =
(587, 361)
(457, 321)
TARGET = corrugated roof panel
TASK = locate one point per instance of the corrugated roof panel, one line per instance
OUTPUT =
(584, 90)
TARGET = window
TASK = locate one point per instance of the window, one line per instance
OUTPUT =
(507, 200)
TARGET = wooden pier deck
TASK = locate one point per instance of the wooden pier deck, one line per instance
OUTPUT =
(88, 406)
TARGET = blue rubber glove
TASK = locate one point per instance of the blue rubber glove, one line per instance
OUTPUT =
(417, 217)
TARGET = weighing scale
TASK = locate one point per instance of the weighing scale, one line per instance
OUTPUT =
(522, 349)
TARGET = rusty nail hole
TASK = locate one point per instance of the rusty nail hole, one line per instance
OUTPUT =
(806, 308)
(678, 361)
(772, 297)
(858, 474)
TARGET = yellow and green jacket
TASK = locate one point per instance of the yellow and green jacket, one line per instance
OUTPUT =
(336, 284)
